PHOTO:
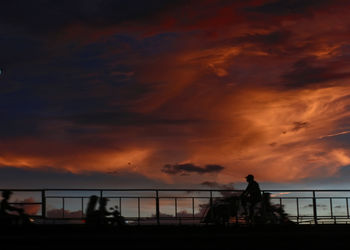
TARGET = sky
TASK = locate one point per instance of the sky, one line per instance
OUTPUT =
(141, 94)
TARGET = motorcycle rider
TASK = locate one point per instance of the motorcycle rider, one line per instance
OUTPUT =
(6, 210)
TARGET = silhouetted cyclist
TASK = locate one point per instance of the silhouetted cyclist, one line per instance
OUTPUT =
(251, 196)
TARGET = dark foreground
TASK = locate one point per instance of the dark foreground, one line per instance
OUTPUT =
(176, 237)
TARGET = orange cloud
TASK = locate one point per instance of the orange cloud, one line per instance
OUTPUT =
(250, 86)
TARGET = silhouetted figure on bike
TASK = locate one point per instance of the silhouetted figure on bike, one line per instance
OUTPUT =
(251, 197)
(103, 213)
(6, 211)
(272, 214)
(118, 219)
(112, 218)
(92, 215)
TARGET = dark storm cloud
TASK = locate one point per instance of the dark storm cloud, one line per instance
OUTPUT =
(24, 126)
(214, 184)
(188, 168)
(40, 83)
(284, 7)
(47, 17)
(306, 72)
(111, 12)
(270, 39)
(299, 125)
(47, 177)
(126, 119)
(25, 49)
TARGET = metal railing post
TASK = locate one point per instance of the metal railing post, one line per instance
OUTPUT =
(314, 205)
(157, 208)
(175, 207)
(263, 206)
(138, 211)
(82, 207)
(63, 207)
(211, 204)
(192, 208)
(331, 206)
(43, 204)
(298, 213)
(120, 205)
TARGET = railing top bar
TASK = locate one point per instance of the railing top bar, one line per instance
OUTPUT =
(146, 190)
(203, 190)
(22, 189)
(168, 190)
(25, 203)
(140, 190)
(306, 190)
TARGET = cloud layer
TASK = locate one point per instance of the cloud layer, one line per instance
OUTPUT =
(188, 168)
(169, 90)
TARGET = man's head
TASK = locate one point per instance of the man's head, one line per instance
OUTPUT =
(93, 200)
(249, 178)
(6, 194)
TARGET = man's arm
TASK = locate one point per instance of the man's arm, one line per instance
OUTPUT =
(247, 190)
(8, 207)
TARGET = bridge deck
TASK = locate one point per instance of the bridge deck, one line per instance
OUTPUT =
(177, 237)
(169, 206)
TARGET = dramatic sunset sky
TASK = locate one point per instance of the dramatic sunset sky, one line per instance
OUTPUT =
(155, 93)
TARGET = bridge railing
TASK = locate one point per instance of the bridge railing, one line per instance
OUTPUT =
(165, 206)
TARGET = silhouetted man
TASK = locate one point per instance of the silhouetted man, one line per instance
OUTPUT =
(251, 196)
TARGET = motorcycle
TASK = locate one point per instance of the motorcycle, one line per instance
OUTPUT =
(117, 219)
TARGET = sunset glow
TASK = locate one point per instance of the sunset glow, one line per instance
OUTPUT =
(178, 92)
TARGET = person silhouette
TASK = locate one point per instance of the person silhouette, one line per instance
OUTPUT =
(6, 210)
(250, 197)
(103, 213)
(92, 215)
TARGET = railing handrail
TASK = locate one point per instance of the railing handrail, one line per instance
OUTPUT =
(168, 190)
